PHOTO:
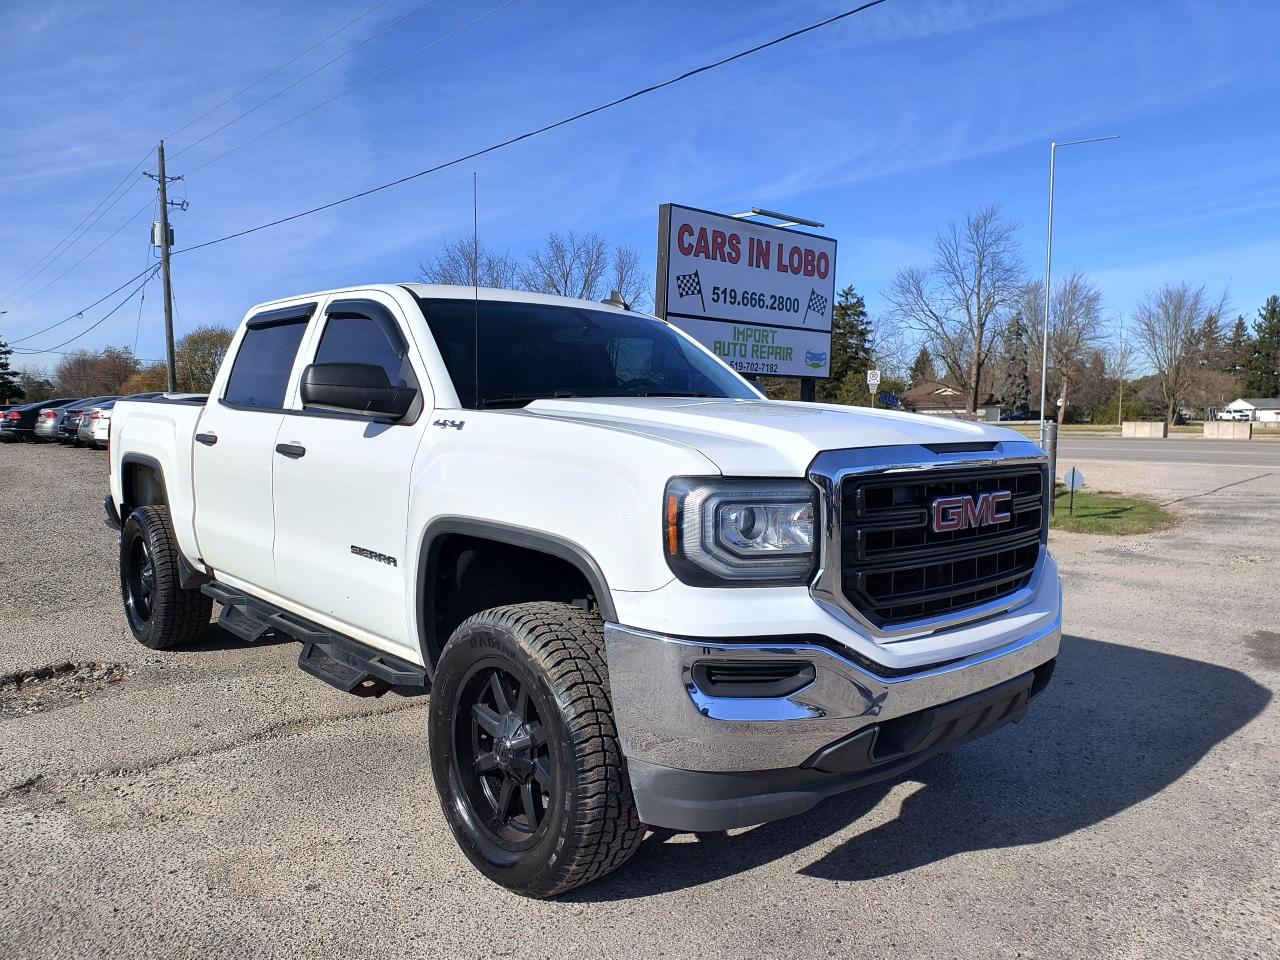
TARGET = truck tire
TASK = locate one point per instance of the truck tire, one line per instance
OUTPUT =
(161, 614)
(524, 751)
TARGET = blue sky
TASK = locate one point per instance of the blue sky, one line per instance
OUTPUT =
(883, 127)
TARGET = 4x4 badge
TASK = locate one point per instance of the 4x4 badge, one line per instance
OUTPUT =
(445, 424)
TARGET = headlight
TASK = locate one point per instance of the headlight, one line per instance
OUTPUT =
(748, 531)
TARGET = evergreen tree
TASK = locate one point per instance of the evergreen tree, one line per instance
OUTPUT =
(10, 390)
(1015, 382)
(1213, 343)
(850, 352)
(923, 369)
(1262, 374)
(1239, 348)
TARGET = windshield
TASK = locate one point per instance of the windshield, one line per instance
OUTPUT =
(532, 351)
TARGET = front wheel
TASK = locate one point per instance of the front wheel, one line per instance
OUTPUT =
(161, 614)
(524, 751)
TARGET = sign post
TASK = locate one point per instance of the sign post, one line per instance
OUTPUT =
(873, 382)
(758, 296)
(1073, 480)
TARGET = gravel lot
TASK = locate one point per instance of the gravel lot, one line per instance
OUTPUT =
(219, 802)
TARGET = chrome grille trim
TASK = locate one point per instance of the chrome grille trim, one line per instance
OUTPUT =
(831, 468)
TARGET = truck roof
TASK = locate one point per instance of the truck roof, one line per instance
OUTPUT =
(444, 291)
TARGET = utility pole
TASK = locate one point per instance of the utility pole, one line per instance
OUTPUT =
(169, 361)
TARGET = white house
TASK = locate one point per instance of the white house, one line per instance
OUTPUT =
(1266, 410)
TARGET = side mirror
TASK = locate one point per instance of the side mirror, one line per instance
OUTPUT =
(356, 387)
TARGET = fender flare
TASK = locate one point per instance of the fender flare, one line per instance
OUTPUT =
(188, 576)
(142, 460)
(506, 533)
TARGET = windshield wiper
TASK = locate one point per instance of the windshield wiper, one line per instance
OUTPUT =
(671, 393)
(520, 399)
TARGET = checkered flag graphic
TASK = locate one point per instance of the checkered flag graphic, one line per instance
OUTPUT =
(690, 285)
(817, 305)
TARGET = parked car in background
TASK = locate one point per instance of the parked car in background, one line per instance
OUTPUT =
(88, 420)
(49, 416)
(95, 425)
(100, 425)
(18, 423)
(69, 425)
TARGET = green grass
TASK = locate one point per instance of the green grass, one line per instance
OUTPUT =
(1108, 513)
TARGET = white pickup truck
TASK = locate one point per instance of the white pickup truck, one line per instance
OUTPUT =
(638, 592)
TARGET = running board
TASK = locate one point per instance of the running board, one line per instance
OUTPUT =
(351, 666)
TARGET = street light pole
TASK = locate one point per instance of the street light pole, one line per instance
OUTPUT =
(1048, 271)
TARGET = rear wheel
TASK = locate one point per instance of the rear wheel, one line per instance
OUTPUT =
(524, 751)
(161, 614)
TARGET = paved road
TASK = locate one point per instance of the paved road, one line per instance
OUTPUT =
(217, 802)
(1264, 454)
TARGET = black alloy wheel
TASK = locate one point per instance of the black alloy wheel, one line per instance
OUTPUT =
(139, 571)
(502, 755)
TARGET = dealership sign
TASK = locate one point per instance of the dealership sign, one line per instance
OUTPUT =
(760, 297)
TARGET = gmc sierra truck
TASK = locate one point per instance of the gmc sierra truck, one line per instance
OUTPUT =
(638, 592)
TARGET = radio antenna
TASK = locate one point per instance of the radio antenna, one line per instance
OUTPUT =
(475, 276)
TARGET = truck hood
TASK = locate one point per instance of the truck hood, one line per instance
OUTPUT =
(764, 437)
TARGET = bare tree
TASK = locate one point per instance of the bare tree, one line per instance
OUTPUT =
(87, 374)
(569, 265)
(467, 263)
(955, 302)
(629, 278)
(35, 384)
(1168, 324)
(1119, 366)
(1075, 327)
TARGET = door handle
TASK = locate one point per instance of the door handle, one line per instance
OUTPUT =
(291, 450)
(208, 439)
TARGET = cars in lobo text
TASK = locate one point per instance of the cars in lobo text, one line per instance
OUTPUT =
(639, 592)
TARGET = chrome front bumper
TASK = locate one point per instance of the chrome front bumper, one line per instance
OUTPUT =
(665, 719)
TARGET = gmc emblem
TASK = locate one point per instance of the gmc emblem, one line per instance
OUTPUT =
(960, 513)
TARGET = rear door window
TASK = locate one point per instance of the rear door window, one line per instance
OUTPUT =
(264, 361)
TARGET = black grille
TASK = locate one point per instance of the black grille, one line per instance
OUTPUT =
(896, 568)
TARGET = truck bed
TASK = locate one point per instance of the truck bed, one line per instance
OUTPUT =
(160, 432)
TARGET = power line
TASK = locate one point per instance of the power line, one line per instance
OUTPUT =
(74, 235)
(307, 76)
(343, 93)
(294, 59)
(149, 257)
(478, 153)
(101, 243)
(81, 312)
(132, 293)
(543, 129)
